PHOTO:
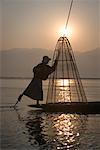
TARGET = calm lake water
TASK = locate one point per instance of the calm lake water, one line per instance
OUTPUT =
(29, 129)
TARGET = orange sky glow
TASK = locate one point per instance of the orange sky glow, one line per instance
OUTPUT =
(36, 24)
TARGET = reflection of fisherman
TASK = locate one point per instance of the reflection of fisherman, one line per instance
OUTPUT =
(41, 72)
(34, 127)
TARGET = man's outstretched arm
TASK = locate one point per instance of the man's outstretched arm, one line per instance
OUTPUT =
(55, 63)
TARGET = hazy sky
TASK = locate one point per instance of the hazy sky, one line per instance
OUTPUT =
(37, 23)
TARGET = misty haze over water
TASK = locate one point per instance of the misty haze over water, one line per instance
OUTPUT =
(20, 62)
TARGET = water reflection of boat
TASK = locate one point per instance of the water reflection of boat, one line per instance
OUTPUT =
(54, 131)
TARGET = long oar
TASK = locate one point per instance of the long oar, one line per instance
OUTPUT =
(13, 106)
(19, 99)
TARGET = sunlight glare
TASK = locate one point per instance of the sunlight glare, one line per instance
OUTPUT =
(64, 82)
(64, 94)
(66, 32)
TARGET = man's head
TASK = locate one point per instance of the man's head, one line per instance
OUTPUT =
(46, 59)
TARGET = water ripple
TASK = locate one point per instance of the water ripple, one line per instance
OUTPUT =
(54, 131)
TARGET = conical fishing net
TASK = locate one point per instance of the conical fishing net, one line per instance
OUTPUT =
(64, 83)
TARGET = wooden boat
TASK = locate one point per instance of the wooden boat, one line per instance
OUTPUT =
(73, 107)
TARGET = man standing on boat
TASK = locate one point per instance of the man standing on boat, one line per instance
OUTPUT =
(41, 72)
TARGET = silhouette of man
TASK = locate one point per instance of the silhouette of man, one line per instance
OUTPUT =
(41, 72)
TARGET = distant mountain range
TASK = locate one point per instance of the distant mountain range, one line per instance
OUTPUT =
(19, 62)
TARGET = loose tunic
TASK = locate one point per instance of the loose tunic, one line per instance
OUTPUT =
(41, 72)
(34, 89)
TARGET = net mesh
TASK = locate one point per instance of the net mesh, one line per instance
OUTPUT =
(64, 83)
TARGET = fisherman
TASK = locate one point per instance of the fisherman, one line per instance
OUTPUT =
(41, 72)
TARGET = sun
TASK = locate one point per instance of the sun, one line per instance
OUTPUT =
(66, 32)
